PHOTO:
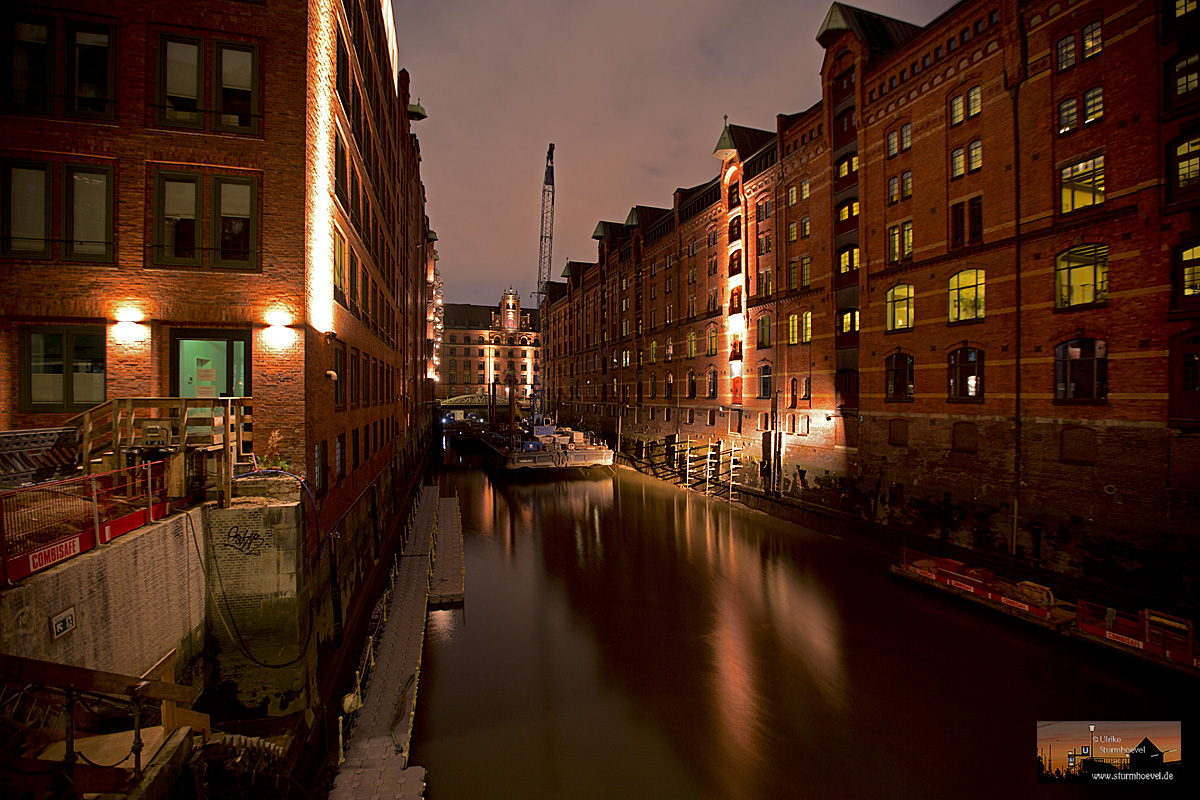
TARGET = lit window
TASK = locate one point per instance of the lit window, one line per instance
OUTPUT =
(1082, 184)
(793, 329)
(804, 189)
(893, 190)
(1081, 275)
(1189, 261)
(848, 259)
(900, 307)
(1184, 7)
(1066, 52)
(792, 232)
(806, 327)
(974, 101)
(975, 156)
(805, 227)
(967, 295)
(893, 143)
(1187, 74)
(906, 136)
(1093, 105)
(791, 195)
(1091, 40)
(1187, 164)
(848, 321)
(848, 210)
(1067, 118)
(1081, 370)
(906, 185)
(958, 163)
(957, 109)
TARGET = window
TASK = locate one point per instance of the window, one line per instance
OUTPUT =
(792, 232)
(320, 456)
(669, 385)
(764, 380)
(1185, 378)
(1183, 7)
(1092, 44)
(1186, 172)
(235, 88)
(967, 295)
(893, 143)
(975, 156)
(1186, 74)
(691, 344)
(805, 270)
(1067, 117)
(1189, 274)
(339, 456)
(957, 109)
(848, 321)
(848, 259)
(847, 210)
(90, 71)
(1081, 275)
(1081, 370)
(1066, 52)
(965, 375)
(234, 222)
(711, 381)
(764, 331)
(1082, 184)
(339, 170)
(906, 185)
(899, 376)
(894, 190)
(974, 101)
(958, 163)
(900, 307)
(711, 338)
(804, 189)
(735, 229)
(762, 211)
(975, 219)
(62, 369)
(806, 327)
(847, 165)
(805, 227)
(26, 209)
(1093, 105)
(735, 300)
(793, 329)
(29, 64)
(735, 263)
(87, 223)
(764, 244)
(179, 82)
(177, 206)
(906, 136)
(791, 195)
(339, 382)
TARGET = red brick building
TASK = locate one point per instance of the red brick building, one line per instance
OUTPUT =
(229, 206)
(485, 345)
(960, 293)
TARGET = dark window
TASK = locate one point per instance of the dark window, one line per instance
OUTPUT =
(965, 378)
(899, 375)
(62, 369)
(958, 225)
(339, 381)
(179, 82)
(235, 88)
(1081, 370)
(177, 216)
(29, 64)
(235, 213)
(975, 220)
(764, 380)
(90, 71)
(320, 464)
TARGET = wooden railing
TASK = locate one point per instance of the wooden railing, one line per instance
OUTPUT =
(186, 423)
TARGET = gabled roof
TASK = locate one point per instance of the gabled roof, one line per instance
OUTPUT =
(645, 215)
(741, 140)
(878, 32)
(576, 268)
(610, 231)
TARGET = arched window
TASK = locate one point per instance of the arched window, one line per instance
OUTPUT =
(966, 295)
(711, 379)
(480, 340)
(691, 344)
(764, 380)
(1081, 370)
(653, 352)
(711, 337)
(899, 376)
(900, 307)
(1081, 275)
(669, 350)
(965, 378)
(652, 384)
(735, 229)
(735, 263)
(844, 167)
(847, 210)
(764, 330)
(669, 385)
(735, 300)
(793, 395)
(806, 390)
(848, 259)
(691, 384)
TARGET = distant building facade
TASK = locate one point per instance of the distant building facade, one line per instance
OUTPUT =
(960, 293)
(485, 345)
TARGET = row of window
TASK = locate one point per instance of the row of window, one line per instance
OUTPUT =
(85, 202)
(88, 85)
(496, 340)
(371, 385)
(1066, 49)
(374, 435)
(936, 55)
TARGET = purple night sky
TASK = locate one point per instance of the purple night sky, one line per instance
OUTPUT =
(631, 92)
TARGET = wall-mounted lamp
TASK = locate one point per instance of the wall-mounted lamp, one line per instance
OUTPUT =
(330, 337)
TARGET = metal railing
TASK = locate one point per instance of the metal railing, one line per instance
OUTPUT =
(44, 524)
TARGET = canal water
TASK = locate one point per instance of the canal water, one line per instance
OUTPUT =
(622, 638)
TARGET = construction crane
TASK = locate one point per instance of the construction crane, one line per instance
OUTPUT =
(547, 243)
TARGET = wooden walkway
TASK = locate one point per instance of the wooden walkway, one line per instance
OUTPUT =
(448, 584)
(429, 573)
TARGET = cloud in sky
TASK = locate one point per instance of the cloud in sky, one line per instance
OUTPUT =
(631, 92)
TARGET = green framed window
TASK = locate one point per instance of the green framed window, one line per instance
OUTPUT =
(25, 209)
(180, 81)
(234, 222)
(235, 87)
(87, 213)
(62, 368)
(177, 233)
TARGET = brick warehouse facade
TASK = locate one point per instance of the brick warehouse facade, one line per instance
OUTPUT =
(235, 182)
(489, 344)
(959, 294)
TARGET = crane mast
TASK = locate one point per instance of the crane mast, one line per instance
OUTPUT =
(547, 243)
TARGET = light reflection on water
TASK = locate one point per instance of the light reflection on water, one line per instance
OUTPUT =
(622, 638)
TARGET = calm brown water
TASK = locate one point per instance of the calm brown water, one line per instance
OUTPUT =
(624, 639)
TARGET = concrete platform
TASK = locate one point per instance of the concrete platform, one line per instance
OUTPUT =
(448, 584)
(376, 764)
